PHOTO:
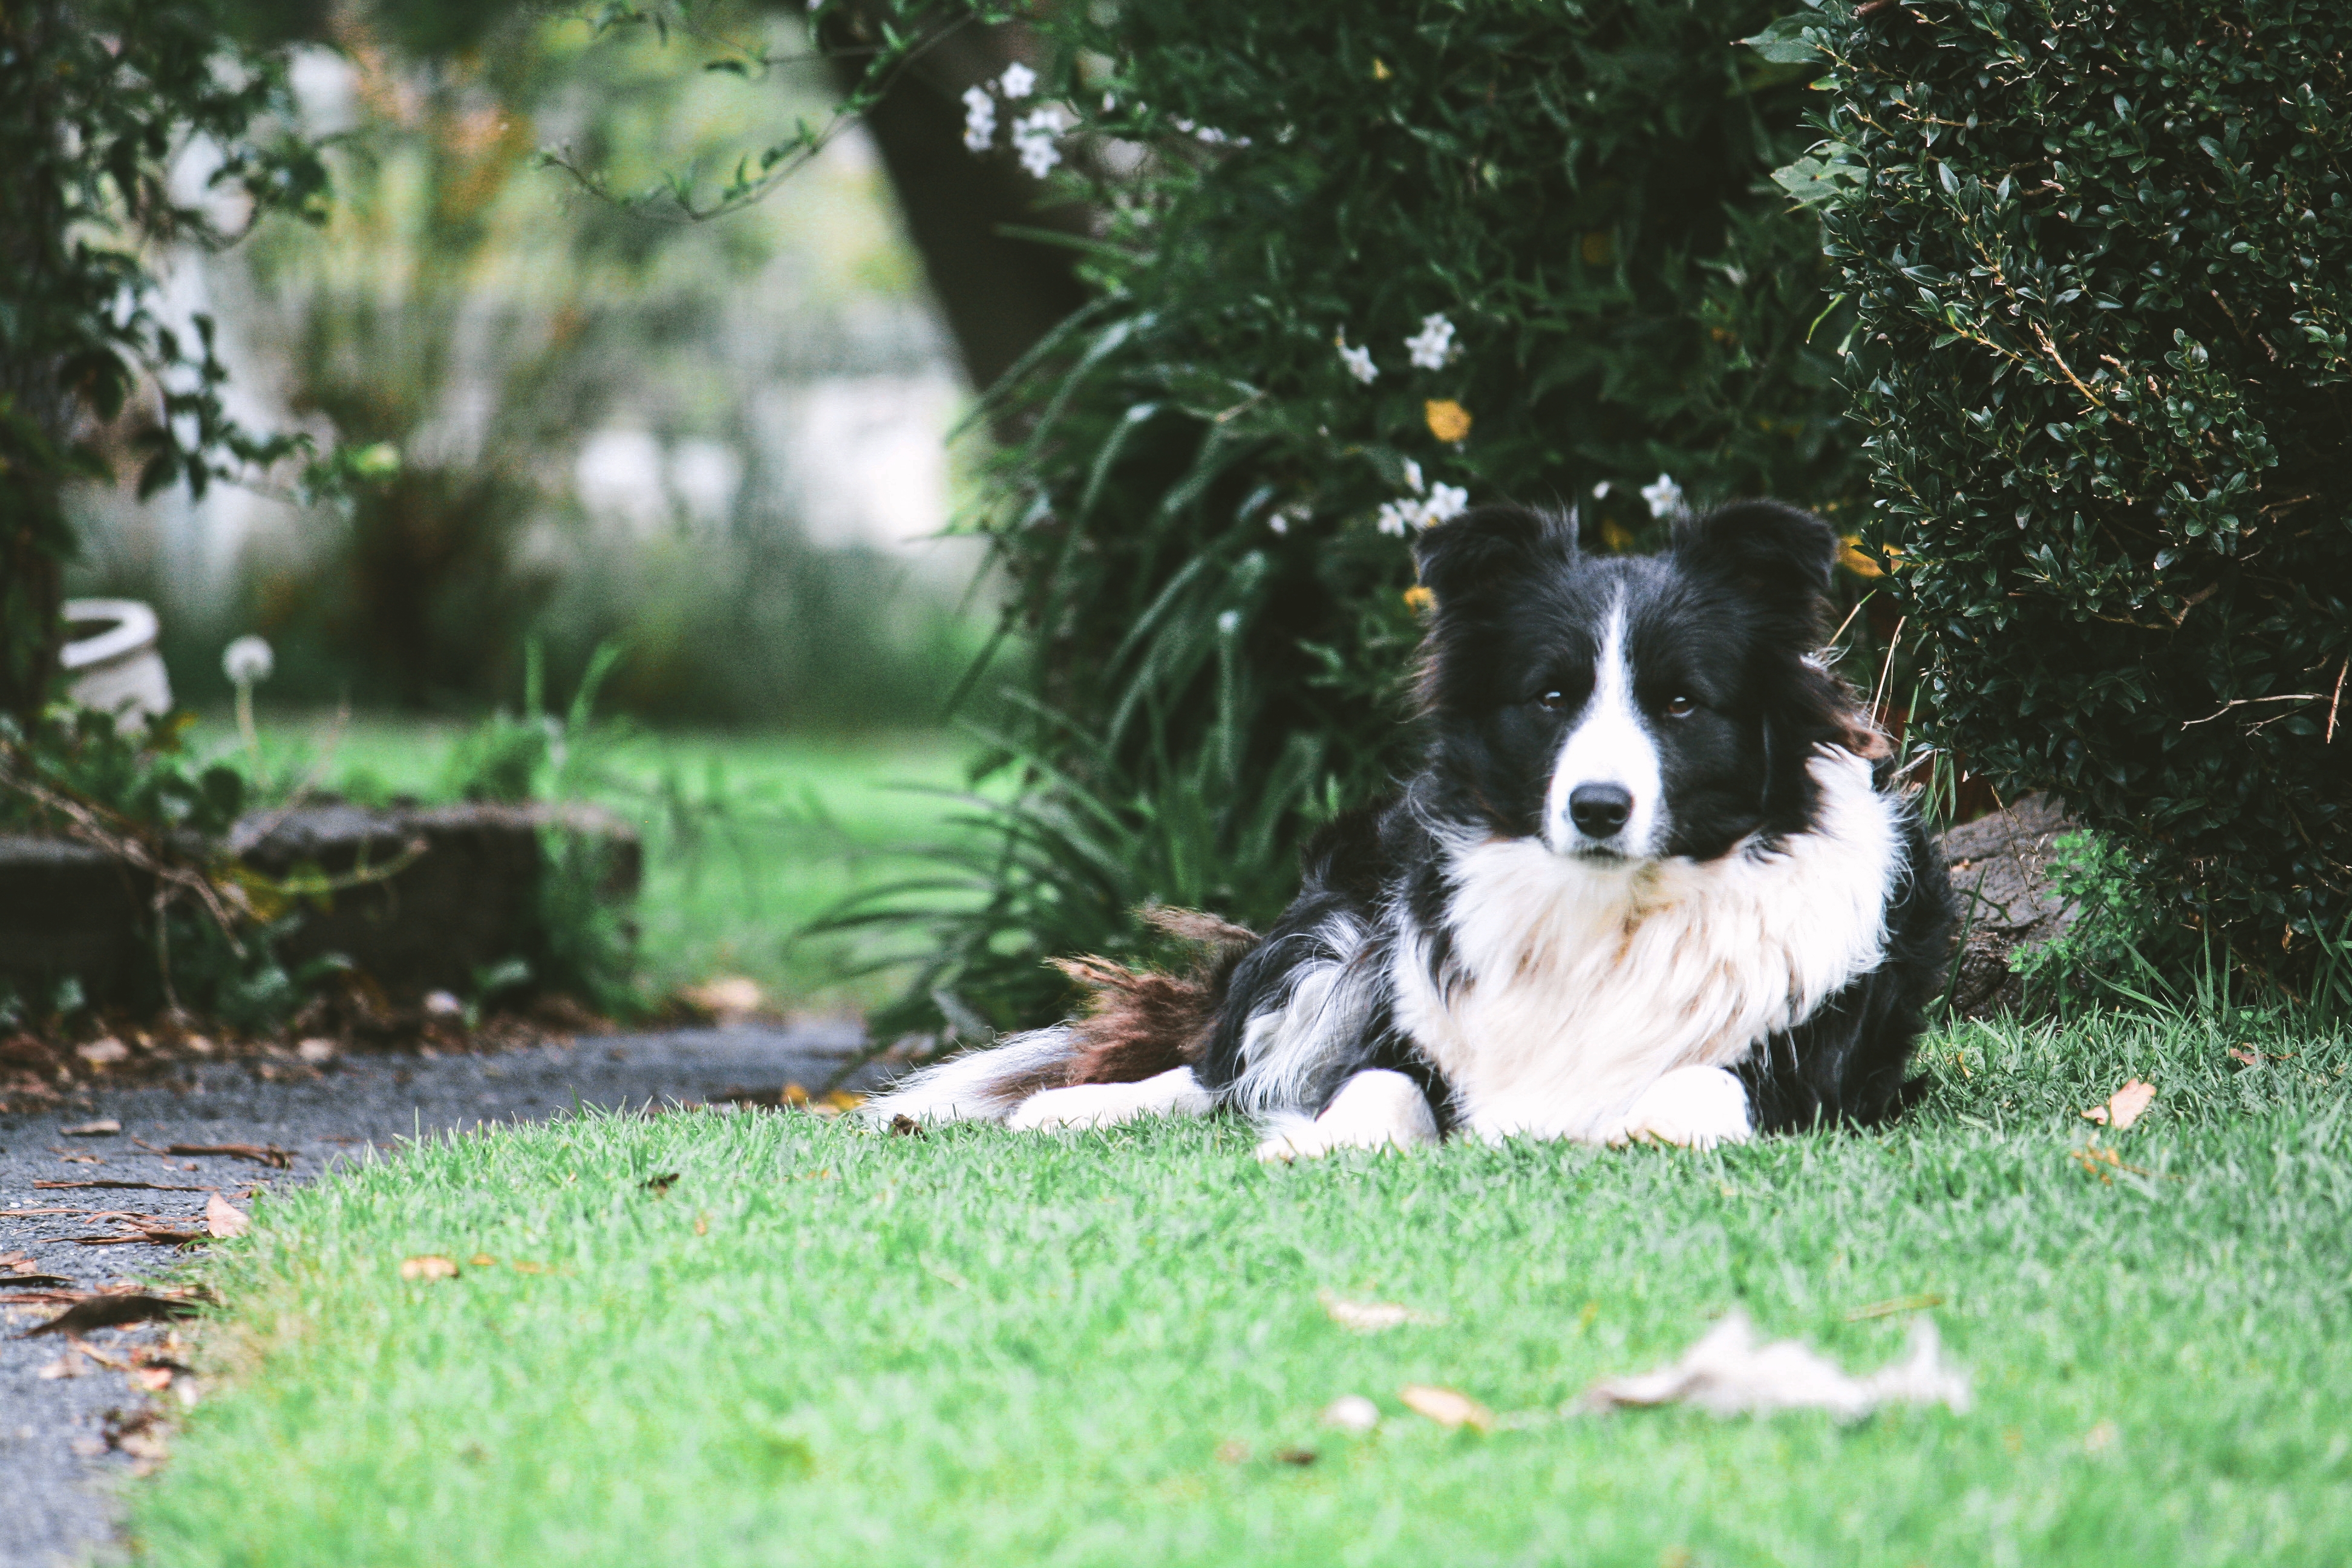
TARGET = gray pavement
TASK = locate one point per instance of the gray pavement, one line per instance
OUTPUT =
(64, 1451)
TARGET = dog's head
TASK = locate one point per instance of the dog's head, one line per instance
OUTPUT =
(1627, 709)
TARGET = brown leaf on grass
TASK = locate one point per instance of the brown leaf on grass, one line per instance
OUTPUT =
(105, 1309)
(225, 1219)
(102, 1126)
(660, 1185)
(1446, 1407)
(482, 1260)
(428, 1267)
(905, 1126)
(1371, 1316)
(2239, 1054)
(2124, 1107)
(1294, 1456)
(260, 1153)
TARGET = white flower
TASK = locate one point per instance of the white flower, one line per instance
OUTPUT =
(1398, 516)
(1432, 344)
(1663, 497)
(1444, 502)
(1018, 80)
(1289, 517)
(1229, 622)
(1413, 479)
(248, 661)
(1359, 362)
(978, 119)
(1033, 138)
(1600, 489)
(1402, 515)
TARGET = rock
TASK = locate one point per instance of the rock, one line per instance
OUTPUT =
(467, 898)
(1999, 867)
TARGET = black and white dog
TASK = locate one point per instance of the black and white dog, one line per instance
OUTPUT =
(1645, 886)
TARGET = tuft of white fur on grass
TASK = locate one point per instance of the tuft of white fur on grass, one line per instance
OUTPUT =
(984, 1085)
(1728, 1373)
(1374, 1110)
(1176, 1092)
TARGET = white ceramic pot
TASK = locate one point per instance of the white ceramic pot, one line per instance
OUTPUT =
(110, 660)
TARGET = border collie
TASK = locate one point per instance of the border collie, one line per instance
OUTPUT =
(1643, 887)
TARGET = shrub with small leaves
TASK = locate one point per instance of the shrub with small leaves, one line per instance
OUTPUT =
(1364, 264)
(2103, 257)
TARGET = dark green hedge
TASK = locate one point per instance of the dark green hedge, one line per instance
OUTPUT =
(2103, 256)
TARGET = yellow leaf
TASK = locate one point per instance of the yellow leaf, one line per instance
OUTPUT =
(428, 1267)
(1380, 71)
(1446, 1407)
(1418, 598)
(1448, 420)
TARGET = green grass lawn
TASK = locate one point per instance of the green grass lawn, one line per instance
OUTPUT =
(827, 1345)
(747, 837)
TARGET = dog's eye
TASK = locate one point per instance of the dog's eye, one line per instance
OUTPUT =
(1552, 702)
(1679, 706)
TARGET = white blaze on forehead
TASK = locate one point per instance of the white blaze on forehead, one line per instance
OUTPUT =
(1608, 743)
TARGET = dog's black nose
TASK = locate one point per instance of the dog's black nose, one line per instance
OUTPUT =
(1599, 810)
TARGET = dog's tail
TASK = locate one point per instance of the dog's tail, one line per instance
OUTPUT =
(1135, 1024)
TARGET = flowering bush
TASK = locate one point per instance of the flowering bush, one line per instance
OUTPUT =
(1363, 264)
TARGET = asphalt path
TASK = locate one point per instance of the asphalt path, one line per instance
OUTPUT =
(70, 1443)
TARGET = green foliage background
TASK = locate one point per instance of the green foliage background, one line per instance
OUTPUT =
(1583, 191)
(2103, 257)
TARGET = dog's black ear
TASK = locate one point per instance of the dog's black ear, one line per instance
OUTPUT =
(1782, 549)
(1489, 544)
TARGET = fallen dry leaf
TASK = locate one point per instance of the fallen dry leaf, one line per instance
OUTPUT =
(726, 998)
(482, 1260)
(429, 1268)
(103, 1052)
(225, 1219)
(1294, 1456)
(102, 1126)
(1728, 1373)
(905, 1126)
(66, 1365)
(1371, 1316)
(106, 1309)
(660, 1185)
(1446, 1407)
(260, 1153)
(317, 1052)
(2124, 1107)
(114, 1182)
(154, 1379)
(2240, 1054)
(519, 1267)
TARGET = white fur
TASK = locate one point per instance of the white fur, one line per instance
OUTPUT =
(973, 1086)
(1693, 1108)
(1584, 982)
(1283, 1050)
(1611, 744)
(1175, 1092)
(1374, 1110)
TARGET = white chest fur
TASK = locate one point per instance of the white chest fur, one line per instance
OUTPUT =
(1582, 983)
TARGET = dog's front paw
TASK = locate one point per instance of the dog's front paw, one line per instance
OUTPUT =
(1693, 1108)
(1373, 1110)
